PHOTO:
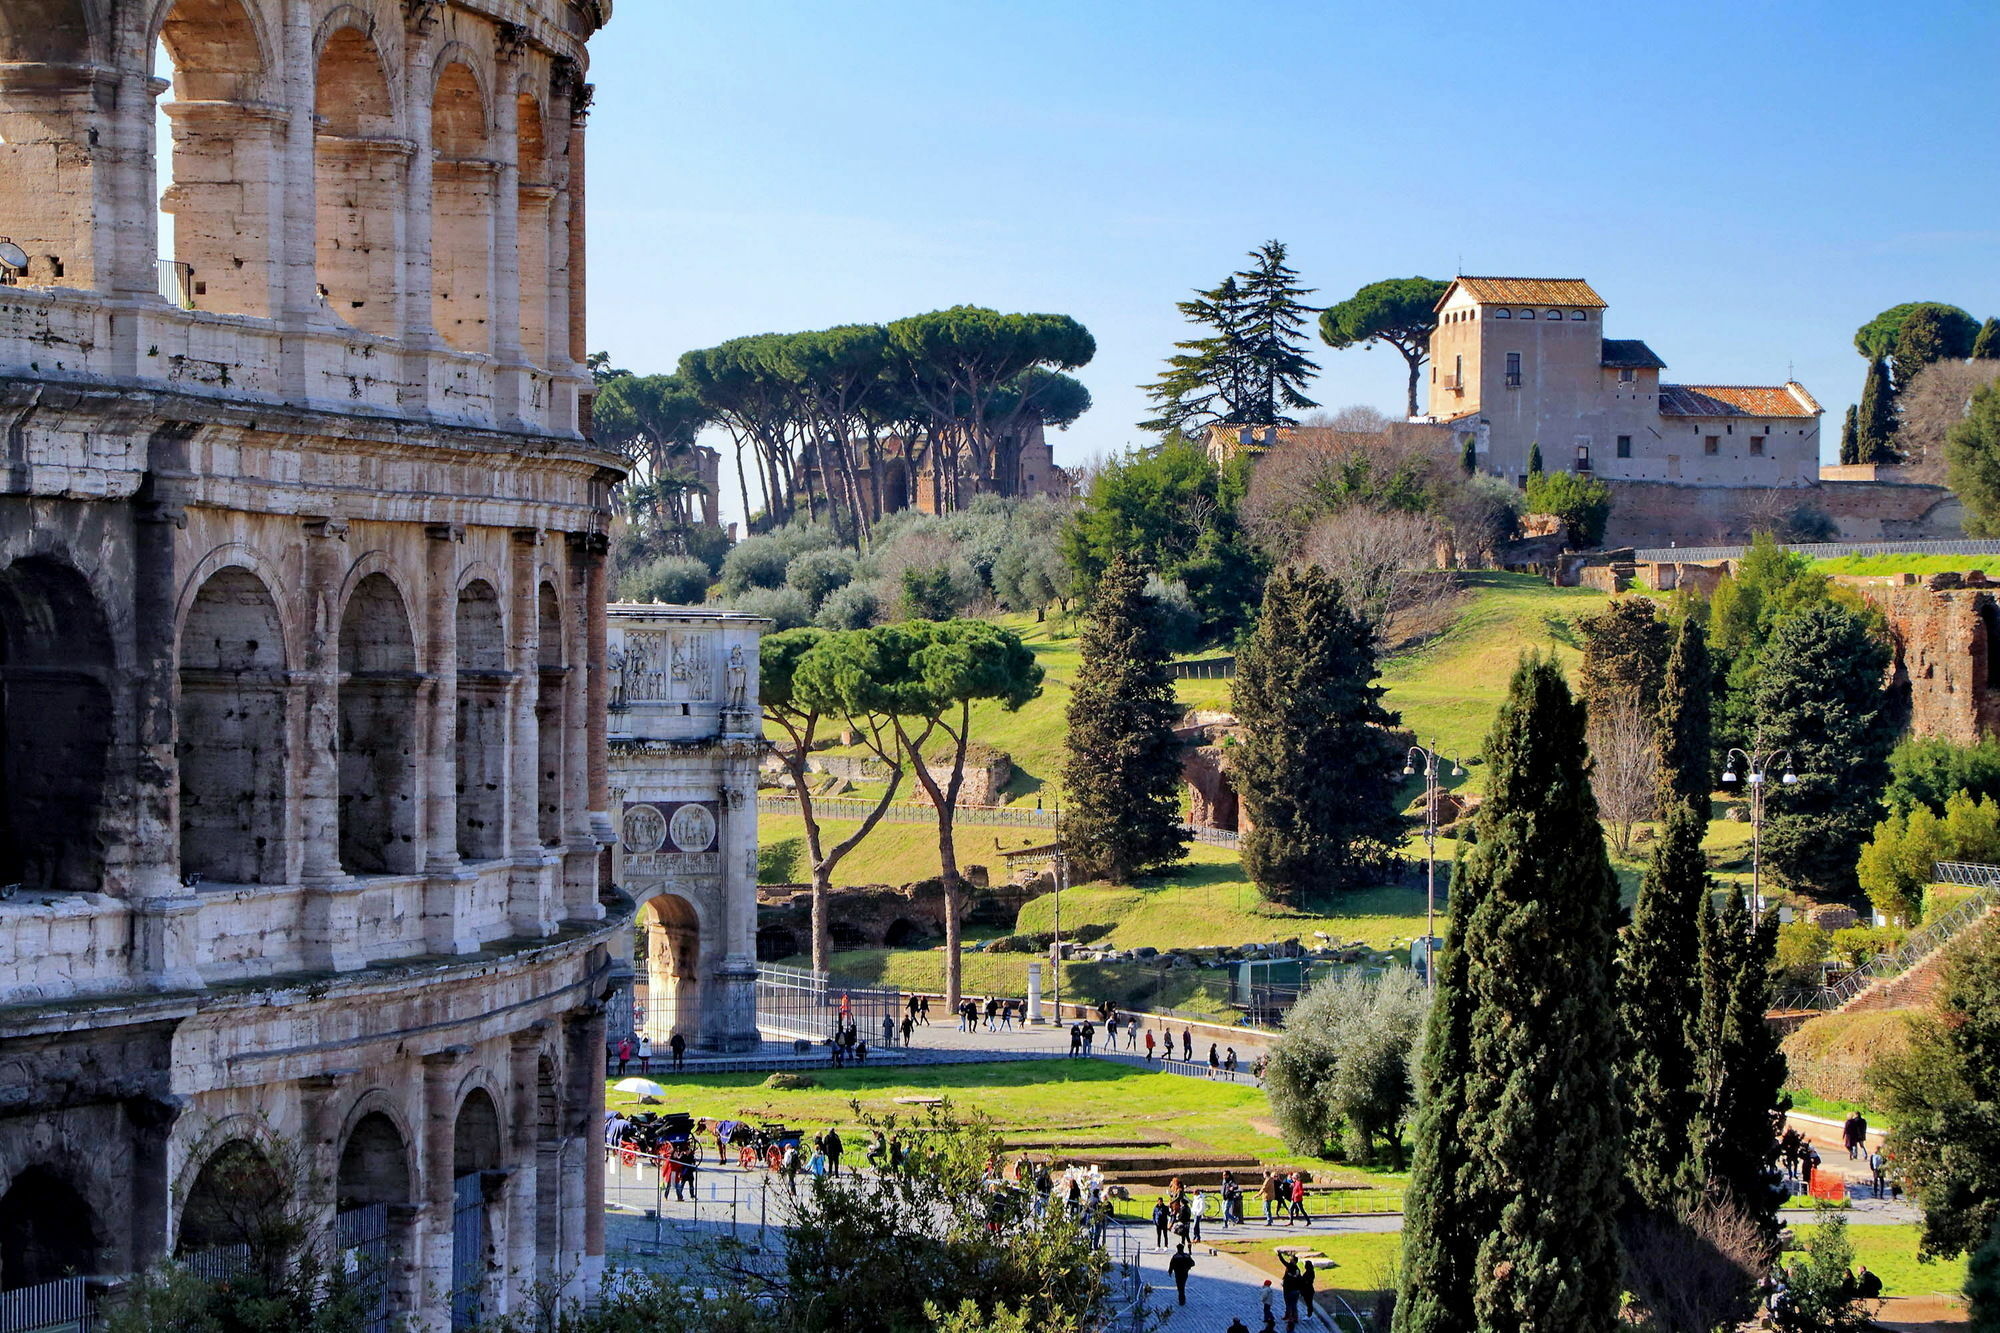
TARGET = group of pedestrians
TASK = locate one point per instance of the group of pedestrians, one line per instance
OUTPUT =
(627, 1050)
(1285, 1193)
(1000, 1015)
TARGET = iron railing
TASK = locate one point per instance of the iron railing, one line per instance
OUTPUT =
(801, 1003)
(1916, 947)
(63, 1305)
(966, 816)
(1820, 550)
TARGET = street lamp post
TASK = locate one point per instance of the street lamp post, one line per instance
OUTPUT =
(1055, 951)
(1757, 766)
(1429, 759)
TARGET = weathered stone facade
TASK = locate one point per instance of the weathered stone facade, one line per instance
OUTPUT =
(1945, 631)
(301, 587)
(685, 735)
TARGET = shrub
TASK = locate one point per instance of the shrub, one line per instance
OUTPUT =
(1174, 611)
(1582, 503)
(852, 607)
(779, 862)
(787, 607)
(1339, 1076)
(791, 1082)
(678, 579)
(1802, 947)
(1927, 770)
(761, 561)
(1857, 944)
(819, 574)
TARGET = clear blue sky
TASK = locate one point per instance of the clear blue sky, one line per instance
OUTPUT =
(1743, 182)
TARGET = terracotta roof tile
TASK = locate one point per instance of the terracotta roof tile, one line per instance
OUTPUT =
(1528, 291)
(1737, 400)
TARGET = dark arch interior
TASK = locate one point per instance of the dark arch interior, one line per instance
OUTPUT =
(549, 757)
(774, 943)
(378, 721)
(903, 934)
(232, 733)
(55, 728)
(475, 1140)
(239, 1198)
(47, 1231)
(845, 935)
(482, 723)
(374, 1166)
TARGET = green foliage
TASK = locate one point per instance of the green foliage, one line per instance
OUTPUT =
(1926, 770)
(1582, 503)
(1922, 341)
(1625, 649)
(820, 574)
(1685, 718)
(1304, 692)
(1509, 1218)
(1250, 367)
(852, 607)
(1855, 945)
(1875, 418)
(1972, 462)
(1850, 434)
(761, 561)
(1982, 1275)
(1896, 863)
(1535, 461)
(1122, 770)
(1822, 697)
(1468, 459)
(1659, 1002)
(1877, 338)
(1986, 346)
(1943, 1095)
(1339, 1077)
(678, 580)
(1172, 513)
(779, 862)
(1801, 948)
(1401, 312)
(1822, 1298)
(787, 608)
(927, 594)
(1739, 1070)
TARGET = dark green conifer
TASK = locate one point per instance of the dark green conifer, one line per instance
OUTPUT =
(1122, 774)
(1922, 341)
(1316, 767)
(1850, 443)
(1517, 1174)
(1469, 459)
(1659, 996)
(1986, 344)
(1875, 427)
(1740, 1072)
(1535, 459)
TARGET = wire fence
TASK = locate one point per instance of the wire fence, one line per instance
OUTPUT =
(966, 816)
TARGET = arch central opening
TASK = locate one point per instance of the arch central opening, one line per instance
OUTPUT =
(378, 732)
(673, 969)
(233, 731)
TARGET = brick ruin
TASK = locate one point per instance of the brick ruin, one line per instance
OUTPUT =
(303, 788)
(1945, 629)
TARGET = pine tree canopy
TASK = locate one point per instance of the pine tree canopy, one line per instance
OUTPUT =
(1821, 695)
(1972, 462)
(1316, 768)
(1517, 1176)
(1986, 345)
(1122, 773)
(1401, 312)
(1252, 368)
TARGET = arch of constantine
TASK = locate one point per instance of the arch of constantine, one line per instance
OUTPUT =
(303, 784)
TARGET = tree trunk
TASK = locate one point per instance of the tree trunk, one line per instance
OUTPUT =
(822, 928)
(1416, 365)
(953, 896)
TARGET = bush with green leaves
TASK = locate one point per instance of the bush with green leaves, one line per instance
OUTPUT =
(780, 862)
(1899, 862)
(819, 574)
(762, 561)
(1802, 947)
(1820, 1296)
(1175, 613)
(1582, 503)
(1340, 1076)
(678, 580)
(788, 608)
(1926, 770)
(856, 606)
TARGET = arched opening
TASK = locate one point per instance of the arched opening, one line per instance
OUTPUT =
(537, 198)
(49, 131)
(47, 1231)
(55, 728)
(240, 1206)
(482, 724)
(475, 1159)
(218, 161)
(550, 755)
(370, 1210)
(462, 180)
(359, 166)
(378, 732)
(673, 969)
(232, 734)
(845, 935)
(903, 934)
(775, 943)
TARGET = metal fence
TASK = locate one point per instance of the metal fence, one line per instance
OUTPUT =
(1209, 668)
(905, 812)
(1916, 947)
(362, 1237)
(63, 1306)
(814, 1006)
(1821, 550)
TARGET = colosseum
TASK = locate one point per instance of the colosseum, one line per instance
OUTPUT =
(302, 538)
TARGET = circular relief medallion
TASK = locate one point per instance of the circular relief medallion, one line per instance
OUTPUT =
(692, 828)
(645, 828)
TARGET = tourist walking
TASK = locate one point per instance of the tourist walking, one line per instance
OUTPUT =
(1229, 1063)
(1161, 1220)
(645, 1055)
(888, 1030)
(1308, 1279)
(1876, 1166)
(832, 1147)
(1232, 1199)
(1131, 1032)
(924, 1010)
(1298, 1211)
(908, 1028)
(1187, 1043)
(1111, 1030)
(1089, 1035)
(1197, 1210)
(1149, 1049)
(1075, 1040)
(678, 1045)
(1268, 1192)
(1214, 1060)
(1290, 1284)
(1180, 1266)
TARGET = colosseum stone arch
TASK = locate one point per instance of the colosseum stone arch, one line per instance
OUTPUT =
(302, 803)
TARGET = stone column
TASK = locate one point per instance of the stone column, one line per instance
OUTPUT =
(447, 928)
(152, 1118)
(519, 1265)
(584, 659)
(1035, 1014)
(510, 382)
(434, 1225)
(226, 195)
(332, 917)
(319, 1130)
(529, 909)
(583, 1186)
(419, 335)
(597, 605)
(295, 240)
(736, 845)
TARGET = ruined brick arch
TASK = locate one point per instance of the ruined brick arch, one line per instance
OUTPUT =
(360, 163)
(483, 685)
(378, 730)
(56, 670)
(233, 737)
(464, 177)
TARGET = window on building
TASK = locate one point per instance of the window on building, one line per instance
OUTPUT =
(1513, 370)
(1527, 314)
(1627, 375)
(1576, 314)
(1458, 372)
(1711, 444)
(1555, 314)
(1503, 314)
(1756, 444)
(1583, 458)
(1624, 446)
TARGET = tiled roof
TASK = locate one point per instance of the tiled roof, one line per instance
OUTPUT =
(1737, 400)
(1622, 352)
(1527, 291)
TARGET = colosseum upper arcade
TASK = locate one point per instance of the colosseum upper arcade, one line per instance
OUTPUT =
(303, 787)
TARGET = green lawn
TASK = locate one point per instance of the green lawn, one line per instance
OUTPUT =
(898, 853)
(1891, 1251)
(1907, 564)
(1359, 1264)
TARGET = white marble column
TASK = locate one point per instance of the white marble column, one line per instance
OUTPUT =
(530, 910)
(447, 885)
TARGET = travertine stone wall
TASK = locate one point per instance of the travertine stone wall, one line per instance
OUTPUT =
(301, 577)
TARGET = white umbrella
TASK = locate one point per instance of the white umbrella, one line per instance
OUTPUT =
(640, 1087)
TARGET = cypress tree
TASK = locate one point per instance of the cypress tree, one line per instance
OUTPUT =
(1317, 767)
(1535, 459)
(1820, 695)
(1986, 344)
(1123, 770)
(1659, 998)
(1850, 444)
(1740, 1071)
(1875, 427)
(1516, 1182)
(1469, 458)
(1922, 341)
